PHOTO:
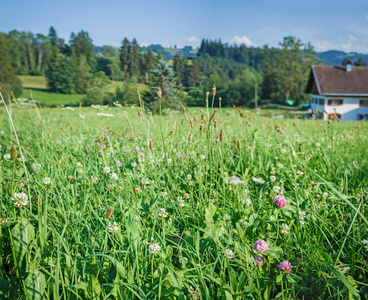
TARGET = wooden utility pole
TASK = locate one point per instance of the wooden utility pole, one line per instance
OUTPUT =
(255, 95)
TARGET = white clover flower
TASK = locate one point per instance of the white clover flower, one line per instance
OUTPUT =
(183, 261)
(283, 151)
(325, 195)
(162, 213)
(244, 223)
(203, 156)
(107, 170)
(273, 178)
(6, 156)
(134, 165)
(154, 248)
(20, 199)
(258, 180)
(189, 177)
(318, 145)
(280, 165)
(276, 189)
(78, 164)
(46, 180)
(36, 167)
(247, 202)
(114, 176)
(94, 179)
(235, 180)
(228, 254)
(2, 132)
(302, 215)
(299, 172)
(169, 160)
(113, 227)
(284, 229)
(344, 270)
(181, 202)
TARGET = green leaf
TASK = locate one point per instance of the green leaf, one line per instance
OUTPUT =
(22, 235)
(19, 172)
(278, 278)
(4, 288)
(35, 285)
(93, 290)
(345, 281)
(275, 252)
(228, 296)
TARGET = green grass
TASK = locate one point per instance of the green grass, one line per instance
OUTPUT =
(34, 82)
(46, 98)
(65, 246)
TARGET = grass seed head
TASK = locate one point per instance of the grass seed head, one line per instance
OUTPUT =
(13, 152)
(109, 213)
(213, 115)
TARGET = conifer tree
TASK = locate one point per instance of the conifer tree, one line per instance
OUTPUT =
(164, 79)
(124, 55)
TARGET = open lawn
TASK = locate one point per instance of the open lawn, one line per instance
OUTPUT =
(106, 203)
(46, 98)
(33, 82)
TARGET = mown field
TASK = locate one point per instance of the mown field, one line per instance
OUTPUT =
(44, 97)
(111, 203)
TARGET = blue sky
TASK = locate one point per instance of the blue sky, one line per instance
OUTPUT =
(327, 24)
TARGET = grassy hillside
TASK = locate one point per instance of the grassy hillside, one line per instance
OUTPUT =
(38, 84)
(33, 82)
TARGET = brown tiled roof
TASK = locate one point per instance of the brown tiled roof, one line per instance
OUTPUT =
(332, 80)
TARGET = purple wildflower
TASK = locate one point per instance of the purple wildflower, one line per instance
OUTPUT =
(260, 246)
(280, 201)
(285, 267)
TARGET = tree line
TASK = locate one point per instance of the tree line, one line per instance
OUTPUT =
(277, 74)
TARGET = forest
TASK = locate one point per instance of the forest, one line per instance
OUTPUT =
(80, 67)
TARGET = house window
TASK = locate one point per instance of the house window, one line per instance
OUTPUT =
(335, 102)
(321, 101)
(363, 102)
(363, 117)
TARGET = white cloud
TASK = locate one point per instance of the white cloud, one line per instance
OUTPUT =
(346, 47)
(241, 40)
(190, 41)
(322, 46)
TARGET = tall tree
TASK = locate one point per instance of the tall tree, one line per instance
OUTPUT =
(179, 66)
(164, 80)
(81, 44)
(124, 55)
(287, 69)
(43, 48)
(134, 59)
(61, 76)
(192, 75)
(8, 81)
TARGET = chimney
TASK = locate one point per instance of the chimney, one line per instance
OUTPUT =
(349, 66)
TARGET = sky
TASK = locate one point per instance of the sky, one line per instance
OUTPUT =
(326, 24)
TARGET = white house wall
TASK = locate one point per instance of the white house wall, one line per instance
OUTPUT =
(349, 110)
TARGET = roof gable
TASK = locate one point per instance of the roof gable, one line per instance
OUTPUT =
(331, 80)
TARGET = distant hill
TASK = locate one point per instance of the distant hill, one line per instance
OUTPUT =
(335, 58)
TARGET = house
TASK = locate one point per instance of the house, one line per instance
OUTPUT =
(339, 91)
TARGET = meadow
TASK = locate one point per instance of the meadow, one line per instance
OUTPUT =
(113, 203)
